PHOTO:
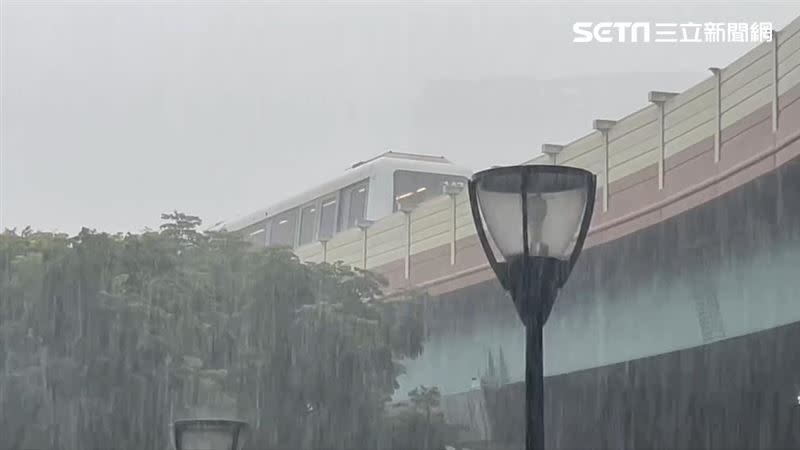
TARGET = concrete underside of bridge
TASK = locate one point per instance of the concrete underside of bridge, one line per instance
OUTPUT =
(739, 393)
(682, 335)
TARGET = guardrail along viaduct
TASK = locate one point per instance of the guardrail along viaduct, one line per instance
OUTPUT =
(680, 325)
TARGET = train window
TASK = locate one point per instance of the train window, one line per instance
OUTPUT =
(257, 237)
(256, 233)
(327, 217)
(357, 207)
(420, 186)
(308, 219)
(354, 205)
(283, 227)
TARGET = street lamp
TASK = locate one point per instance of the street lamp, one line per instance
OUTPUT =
(531, 221)
(210, 434)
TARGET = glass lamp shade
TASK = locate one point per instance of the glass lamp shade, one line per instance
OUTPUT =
(210, 434)
(535, 211)
(531, 221)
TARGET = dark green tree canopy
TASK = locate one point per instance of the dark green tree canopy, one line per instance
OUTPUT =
(105, 339)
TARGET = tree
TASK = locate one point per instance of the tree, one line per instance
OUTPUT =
(425, 400)
(178, 323)
(181, 227)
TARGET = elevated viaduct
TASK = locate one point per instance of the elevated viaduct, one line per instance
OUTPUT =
(680, 326)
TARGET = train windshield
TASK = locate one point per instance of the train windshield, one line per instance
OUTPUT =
(420, 186)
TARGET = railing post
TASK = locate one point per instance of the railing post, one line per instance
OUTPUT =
(452, 190)
(603, 126)
(364, 225)
(659, 98)
(552, 150)
(408, 244)
(324, 243)
(453, 231)
(775, 80)
(407, 206)
(718, 111)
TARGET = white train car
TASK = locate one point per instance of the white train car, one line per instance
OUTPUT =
(369, 190)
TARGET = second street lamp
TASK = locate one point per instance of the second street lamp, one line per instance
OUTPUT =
(531, 221)
(210, 434)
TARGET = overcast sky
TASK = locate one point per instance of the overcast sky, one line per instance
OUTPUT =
(114, 113)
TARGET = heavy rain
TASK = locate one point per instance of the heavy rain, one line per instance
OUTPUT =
(266, 225)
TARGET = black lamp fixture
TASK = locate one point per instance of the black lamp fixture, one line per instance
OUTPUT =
(532, 221)
(210, 434)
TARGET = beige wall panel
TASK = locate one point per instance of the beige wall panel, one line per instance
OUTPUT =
(789, 81)
(633, 122)
(465, 231)
(687, 126)
(635, 142)
(689, 138)
(689, 111)
(790, 62)
(579, 147)
(431, 218)
(431, 206)
(386, 236)
(746, 107)
(744, 62)
(388, 242)
(633, 165)
(731, 99)
(539, 159)
(587, 160)
(432, 241)
(386, 257)
(689, 95)
(788, 33)
(432, 231)
(388, 223)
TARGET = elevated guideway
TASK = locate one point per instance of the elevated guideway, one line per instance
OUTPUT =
(653, 166)
(684, 304)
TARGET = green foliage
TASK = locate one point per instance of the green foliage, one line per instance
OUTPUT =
(421, 424)
(105, 339)
(181, 228)
(425, 399)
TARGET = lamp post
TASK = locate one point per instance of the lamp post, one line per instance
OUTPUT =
(531, 221)
(210, 434)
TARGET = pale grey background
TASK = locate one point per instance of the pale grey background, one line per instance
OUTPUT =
(113, 112)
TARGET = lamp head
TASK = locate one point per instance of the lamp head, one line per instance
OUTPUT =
(532, 221)
(210, 434)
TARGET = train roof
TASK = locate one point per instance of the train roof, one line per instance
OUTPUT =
(385, 162)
